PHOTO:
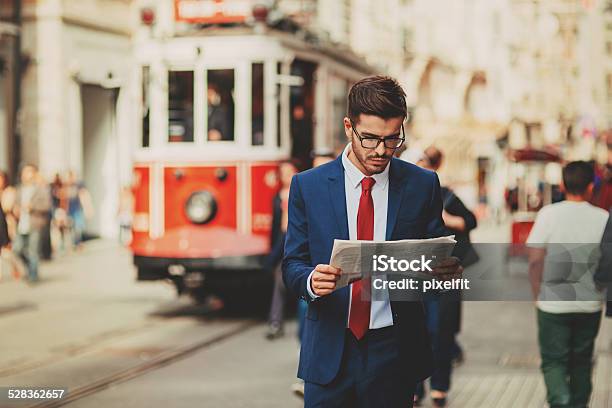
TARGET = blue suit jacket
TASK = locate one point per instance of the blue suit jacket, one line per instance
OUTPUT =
(317, 216)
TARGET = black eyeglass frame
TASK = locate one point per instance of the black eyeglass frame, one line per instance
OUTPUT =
(379, 140)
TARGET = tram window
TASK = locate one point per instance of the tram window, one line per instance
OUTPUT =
(257, 104)
(220, 95)
(180, 106)
(146, 106)
(338, 91)
(301, 124)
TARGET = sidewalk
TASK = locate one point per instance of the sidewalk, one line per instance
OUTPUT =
(7, 267)
(502, 359)
(81, 298)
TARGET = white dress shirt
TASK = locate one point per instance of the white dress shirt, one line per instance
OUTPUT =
(380, 310)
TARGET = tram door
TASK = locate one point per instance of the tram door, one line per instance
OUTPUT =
(302, 113)
(100, 152)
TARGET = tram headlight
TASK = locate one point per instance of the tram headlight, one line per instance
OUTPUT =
(201, 207)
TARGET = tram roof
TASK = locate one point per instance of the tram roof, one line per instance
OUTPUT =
(299, 40)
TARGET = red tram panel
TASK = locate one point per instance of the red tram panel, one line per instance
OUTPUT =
(141, 192)
(265, 184)
(181, 182)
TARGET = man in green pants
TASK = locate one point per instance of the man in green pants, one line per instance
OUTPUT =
(561, 269)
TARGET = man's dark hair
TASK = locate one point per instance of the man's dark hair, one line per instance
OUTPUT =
(577, 176)
(378, 95)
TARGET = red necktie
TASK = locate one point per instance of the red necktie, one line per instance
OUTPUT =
(359, 315)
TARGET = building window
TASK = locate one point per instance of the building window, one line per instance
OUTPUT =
(257, 104)
(220, 96)
(180, 106)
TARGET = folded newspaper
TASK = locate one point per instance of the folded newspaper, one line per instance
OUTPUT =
(356, 258)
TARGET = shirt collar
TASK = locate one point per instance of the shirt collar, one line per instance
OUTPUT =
(355, 175)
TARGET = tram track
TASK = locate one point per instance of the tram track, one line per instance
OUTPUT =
(72, 350)
(95, 342)
(153, 364)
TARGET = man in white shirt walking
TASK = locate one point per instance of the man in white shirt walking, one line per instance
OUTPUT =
(561, 269)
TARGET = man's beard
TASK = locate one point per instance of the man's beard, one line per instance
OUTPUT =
(377, 168)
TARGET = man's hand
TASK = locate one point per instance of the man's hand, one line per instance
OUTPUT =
(323, 279)
(449, 268)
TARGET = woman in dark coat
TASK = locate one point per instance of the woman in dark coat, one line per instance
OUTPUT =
(4, 236)
(444, 311)
(4, 232)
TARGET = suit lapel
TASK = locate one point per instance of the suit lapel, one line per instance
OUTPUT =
(396, 187)
(338, 198)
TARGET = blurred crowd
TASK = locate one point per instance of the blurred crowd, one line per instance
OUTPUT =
(39, 218)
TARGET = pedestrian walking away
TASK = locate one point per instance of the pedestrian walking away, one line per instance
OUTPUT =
(566, 327)
(80, 207)
(4, 240)
(32, 206)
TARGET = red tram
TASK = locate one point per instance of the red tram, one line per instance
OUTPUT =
(220, 108)
(531, 190)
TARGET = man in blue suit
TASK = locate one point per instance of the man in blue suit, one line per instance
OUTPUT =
(358, 352)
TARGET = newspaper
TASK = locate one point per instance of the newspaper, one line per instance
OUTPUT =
(355, 257)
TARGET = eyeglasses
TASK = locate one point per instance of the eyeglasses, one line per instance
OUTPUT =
(390, 142)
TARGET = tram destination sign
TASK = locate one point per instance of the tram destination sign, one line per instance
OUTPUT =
(213, 11)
